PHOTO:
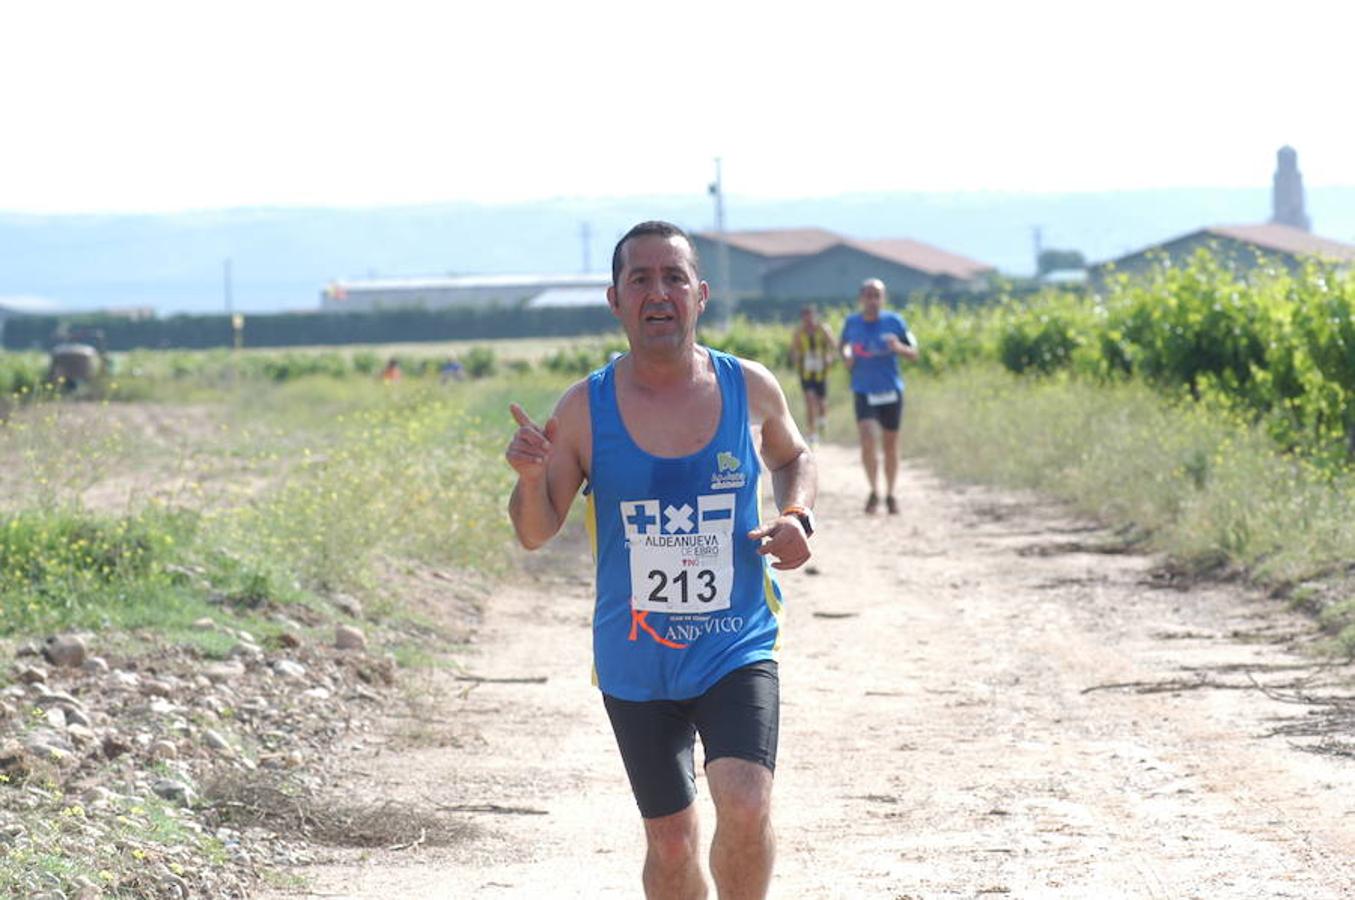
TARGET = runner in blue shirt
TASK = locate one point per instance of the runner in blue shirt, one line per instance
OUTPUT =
(686, 625)
(871, 344)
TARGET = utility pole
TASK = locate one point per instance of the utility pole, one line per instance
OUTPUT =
(1037, 233)
(236, 321)
(726, 305)
(226, 286)
(586, 235)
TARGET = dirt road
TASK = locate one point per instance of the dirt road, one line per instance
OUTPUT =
(938, 735)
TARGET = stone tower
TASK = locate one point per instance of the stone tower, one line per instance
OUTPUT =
(1287, 196)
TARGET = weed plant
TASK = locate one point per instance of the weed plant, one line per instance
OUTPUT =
(345, 473)
(1208, 487)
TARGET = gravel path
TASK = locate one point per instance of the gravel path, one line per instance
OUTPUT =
(939, 735)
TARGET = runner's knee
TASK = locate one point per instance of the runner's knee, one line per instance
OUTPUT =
(673, 840)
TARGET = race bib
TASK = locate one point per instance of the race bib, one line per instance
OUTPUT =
(681, 559)
(882, 398)
(813, 363)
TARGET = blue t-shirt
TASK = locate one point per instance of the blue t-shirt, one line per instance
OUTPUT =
(875, 368)
(683, 598)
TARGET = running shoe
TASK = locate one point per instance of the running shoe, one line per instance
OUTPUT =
(872, 502)
(892, 505)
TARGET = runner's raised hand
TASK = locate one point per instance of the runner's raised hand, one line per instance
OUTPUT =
(785, 541)
(530, 447)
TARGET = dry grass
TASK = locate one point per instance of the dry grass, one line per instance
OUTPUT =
(280, 804)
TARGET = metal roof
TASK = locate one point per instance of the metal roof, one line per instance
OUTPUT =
(574, 296)
(777, 241)
(473, 281)
(1270, 237)
(28, 306)
(923, 258)
(1285, 239)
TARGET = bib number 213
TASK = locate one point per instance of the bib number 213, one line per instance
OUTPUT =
(682, 588)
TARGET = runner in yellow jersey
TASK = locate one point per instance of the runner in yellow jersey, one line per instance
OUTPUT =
(812, 350)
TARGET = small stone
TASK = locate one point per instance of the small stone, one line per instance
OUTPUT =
(6, 711)
(216, 741)
(157, 687)
(115, 745)
(130, 680)
(11, 833)
(164, 750)
(289, 639)
(96, 665)
(56, 717)
(79, 717)
(347, 605)
(253, 706)
(47, 744)
(346, 637)
(28, 648)
(47, 699)
(33, 675)
(65, 650)
(205, 624)
(247, 637)
(14, 761)
(317, 693)
(224, 671)
(173, 791)
(81, 734)
(292, 671)
(245, 650)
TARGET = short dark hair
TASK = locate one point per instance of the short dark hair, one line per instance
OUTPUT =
(653, 228)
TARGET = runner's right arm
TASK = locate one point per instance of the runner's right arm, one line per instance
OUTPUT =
(549, 466)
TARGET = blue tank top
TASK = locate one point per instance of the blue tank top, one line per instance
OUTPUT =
(683, 598)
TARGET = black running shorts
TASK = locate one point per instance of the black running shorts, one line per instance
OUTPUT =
(739, 717)
(889, 415)
(818, 388)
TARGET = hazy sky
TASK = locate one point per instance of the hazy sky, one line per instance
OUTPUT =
(153, 106)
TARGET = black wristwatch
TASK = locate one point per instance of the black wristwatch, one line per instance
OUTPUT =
(805, 515)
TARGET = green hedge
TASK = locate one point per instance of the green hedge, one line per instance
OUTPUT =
(305, 329)
(393, 326)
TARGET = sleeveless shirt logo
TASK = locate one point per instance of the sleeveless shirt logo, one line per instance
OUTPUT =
(727, 476)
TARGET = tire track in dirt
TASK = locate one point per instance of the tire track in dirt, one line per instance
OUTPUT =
(938, 738)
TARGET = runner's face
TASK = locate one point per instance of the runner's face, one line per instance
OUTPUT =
(659, 296)
(872, 300)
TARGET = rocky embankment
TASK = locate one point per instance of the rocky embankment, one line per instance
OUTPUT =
(170, 774)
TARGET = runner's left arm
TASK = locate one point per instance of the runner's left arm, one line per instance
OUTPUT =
(787, 457)
(904, 344)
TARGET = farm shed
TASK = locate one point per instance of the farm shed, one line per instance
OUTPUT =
(753, 254)
(813, 263)
(905, 266)
(1244, 246)
(440, 293)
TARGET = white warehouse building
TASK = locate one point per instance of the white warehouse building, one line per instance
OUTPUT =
(465, 291)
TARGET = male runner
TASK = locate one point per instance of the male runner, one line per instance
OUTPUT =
(872, 342)
(687, 618)
(812, 348)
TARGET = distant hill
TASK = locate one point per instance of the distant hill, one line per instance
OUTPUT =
(282, 258)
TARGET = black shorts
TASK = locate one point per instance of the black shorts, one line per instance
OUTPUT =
(889, 415)
(738, 717)
(814, 387)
